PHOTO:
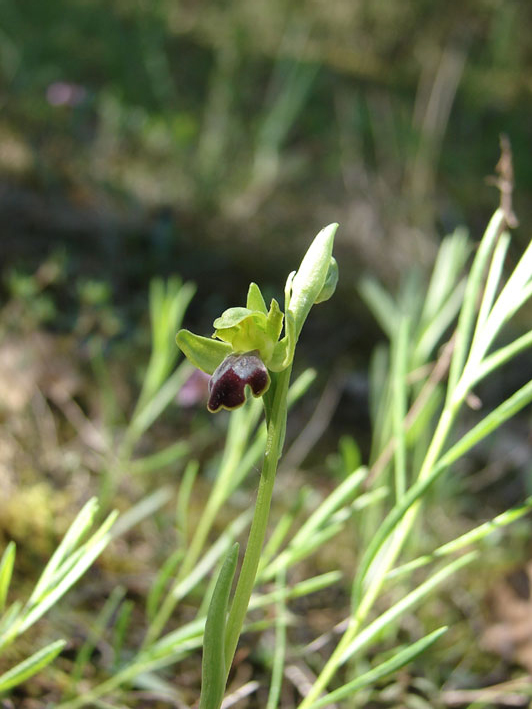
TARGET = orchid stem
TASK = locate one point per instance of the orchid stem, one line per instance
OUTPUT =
(257, 533)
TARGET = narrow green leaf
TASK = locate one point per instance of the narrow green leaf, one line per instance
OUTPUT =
(213, 662)
(183, 499)
(167, 456)
(368, 679)
(399, 403)
(389, 526)
(516, 290)
(474, 535)
(74, 534)
(341, 495)
(303, 588)
(146, 507)
(176, 639)
(95, 634)
(473, 287)
(33, 664)
(294, 554)
(501, 356)
(281, 529)
(435, 328)
(381, 304)
(492, 281)
(450, 261)
(9, 623)
(123, 620)
(153, 408)
(364, 637)
(300, 386)
(161, 580)
(489, 423)
(182, 587)
(279, 652)
(63, 581)
(6, 570)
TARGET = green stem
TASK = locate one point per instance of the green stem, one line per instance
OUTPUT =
(257, 533)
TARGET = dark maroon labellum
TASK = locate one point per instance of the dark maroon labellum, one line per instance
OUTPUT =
(227, 384)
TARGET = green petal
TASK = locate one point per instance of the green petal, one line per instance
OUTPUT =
(231, 317)
(255, 300)
(203, 352)
(274, 321)
(283, 352)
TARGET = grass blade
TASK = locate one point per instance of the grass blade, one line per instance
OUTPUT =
(474, 535)
(48, 598)
(75, 533)
(410, 600)
(6, 570)
(280, 644)
(489, 423)
(33, 664)
(467, 313)
(402, 658)
(213, 663)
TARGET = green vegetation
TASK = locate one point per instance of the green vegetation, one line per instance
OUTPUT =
(357, 533)
(384, 558)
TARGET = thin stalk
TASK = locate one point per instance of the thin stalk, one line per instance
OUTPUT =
(239, 431)
(257, 533)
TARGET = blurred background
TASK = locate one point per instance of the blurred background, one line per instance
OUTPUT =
(209, 138)
(212, 140)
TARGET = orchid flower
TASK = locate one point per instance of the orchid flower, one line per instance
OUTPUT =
(246, 346)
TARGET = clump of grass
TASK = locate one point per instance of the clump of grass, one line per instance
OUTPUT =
(420, 384)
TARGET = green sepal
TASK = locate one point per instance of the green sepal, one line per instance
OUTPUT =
(231, 318)
(203, 352)
(311, 275)
(331, 281)
(255, 300)
(247, 330)
(247, 334)
(213, 670)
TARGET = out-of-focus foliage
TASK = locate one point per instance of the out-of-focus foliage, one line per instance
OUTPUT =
(382, 115)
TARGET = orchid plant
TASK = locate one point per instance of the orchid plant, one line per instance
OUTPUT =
(246, 351)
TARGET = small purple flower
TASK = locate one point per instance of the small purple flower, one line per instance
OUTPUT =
(227, 384)
(65, 93)
(194, 390)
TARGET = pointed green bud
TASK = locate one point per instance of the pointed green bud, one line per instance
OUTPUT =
(311, 275)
